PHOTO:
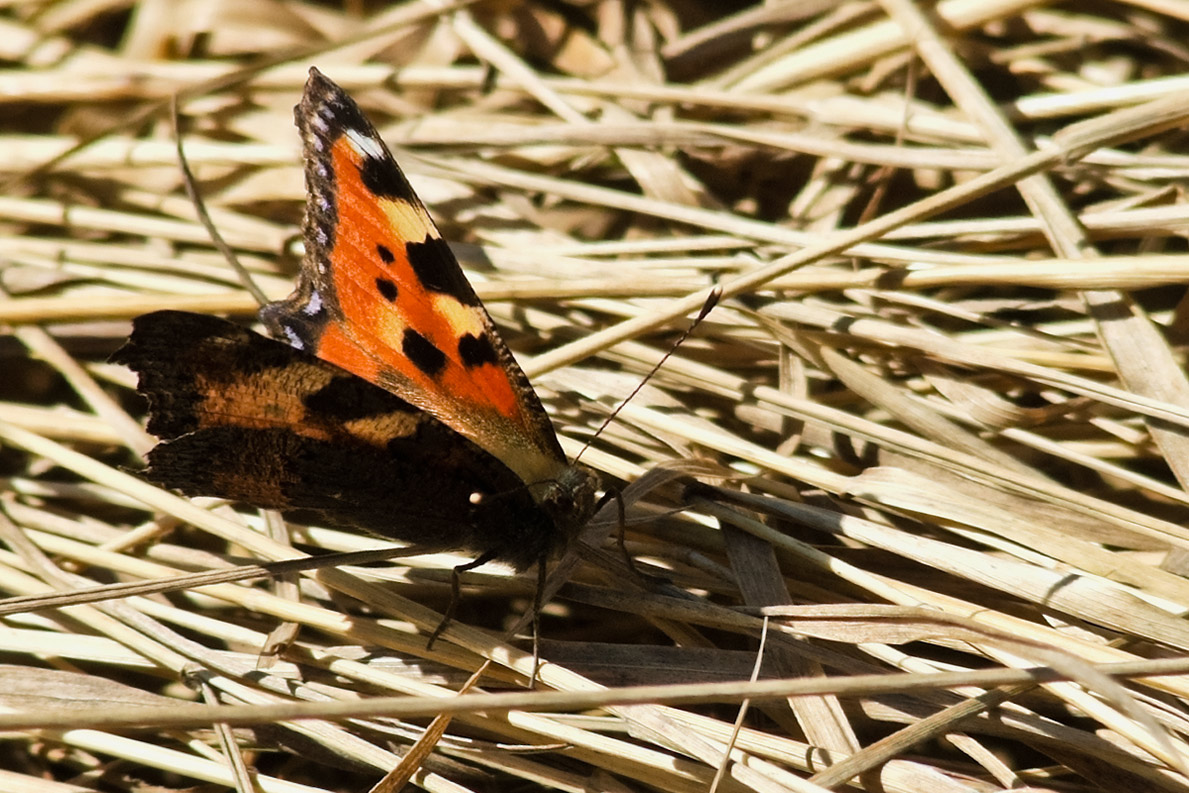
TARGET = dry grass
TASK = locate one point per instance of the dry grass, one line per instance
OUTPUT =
(940, 413)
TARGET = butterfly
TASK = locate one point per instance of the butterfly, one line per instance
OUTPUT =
(386, 400)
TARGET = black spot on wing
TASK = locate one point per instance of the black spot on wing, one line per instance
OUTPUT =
(438, 270)
(383, 178)
(385, 254)
(387, 289)
(422, 352)
(476, 350)
(347, 398)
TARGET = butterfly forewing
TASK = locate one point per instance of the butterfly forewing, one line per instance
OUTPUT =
(381, 295)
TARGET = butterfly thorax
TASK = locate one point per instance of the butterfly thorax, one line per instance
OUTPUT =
(564, 504)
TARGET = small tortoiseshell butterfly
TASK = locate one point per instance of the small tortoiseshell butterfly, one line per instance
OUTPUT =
(390, 403)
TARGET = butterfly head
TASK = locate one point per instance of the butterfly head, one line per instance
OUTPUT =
(569, 500)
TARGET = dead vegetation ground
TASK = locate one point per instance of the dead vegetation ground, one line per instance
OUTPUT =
(941, 410)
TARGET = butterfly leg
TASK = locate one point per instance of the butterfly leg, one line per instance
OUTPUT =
(647, 578)
(621, 531)
(455, 594)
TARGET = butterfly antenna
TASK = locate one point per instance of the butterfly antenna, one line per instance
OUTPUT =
(204, 218)
(711, 301)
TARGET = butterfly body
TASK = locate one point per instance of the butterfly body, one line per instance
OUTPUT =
(389, 404)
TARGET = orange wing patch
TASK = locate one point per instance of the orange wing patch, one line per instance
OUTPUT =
(425, 328)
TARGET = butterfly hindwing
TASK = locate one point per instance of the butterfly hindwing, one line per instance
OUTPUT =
(252, 419)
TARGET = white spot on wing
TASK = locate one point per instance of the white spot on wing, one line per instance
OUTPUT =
(314, 305)
(365, 145)
(294, 340)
